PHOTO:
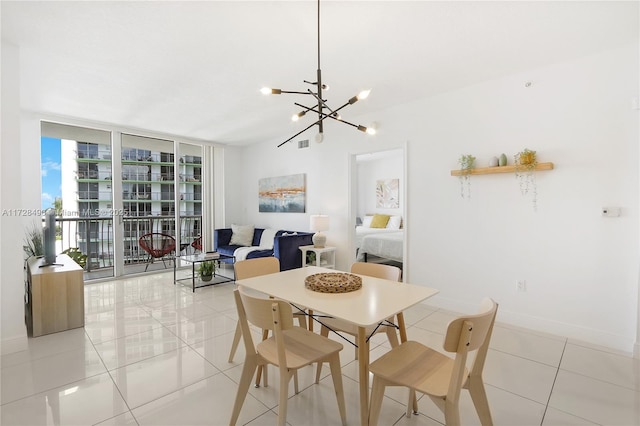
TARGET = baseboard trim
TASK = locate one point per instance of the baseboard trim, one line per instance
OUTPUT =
(14, 344)
(557, 328)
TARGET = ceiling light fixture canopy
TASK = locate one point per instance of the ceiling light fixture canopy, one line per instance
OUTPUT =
(322, 109)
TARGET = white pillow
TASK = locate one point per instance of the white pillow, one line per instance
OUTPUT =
(394, 222)
(266, 239)
(242, 235)
(366, 222)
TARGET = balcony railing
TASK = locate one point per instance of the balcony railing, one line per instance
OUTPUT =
(160, 177)
(138, 196)
(94, 237)
(94, 195)
(147, 157)
(166, 177)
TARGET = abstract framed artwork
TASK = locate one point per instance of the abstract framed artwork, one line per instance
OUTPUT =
(282, 194)
(387, 193)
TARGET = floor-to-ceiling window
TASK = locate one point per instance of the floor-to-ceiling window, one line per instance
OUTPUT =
(107, 206)
(78, 180)
(147, 166)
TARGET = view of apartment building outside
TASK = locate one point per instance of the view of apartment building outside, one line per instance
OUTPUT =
(158, 194)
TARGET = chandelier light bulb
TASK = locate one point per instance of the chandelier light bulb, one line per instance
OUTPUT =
(319, 137)
(325, 87)
(270, 91)
(367, 130)
(298, 116)
(364, 94)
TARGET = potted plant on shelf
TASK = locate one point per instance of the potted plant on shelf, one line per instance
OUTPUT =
(466, 163)
(526, 159)
(525, 164)
(206, 270)
(311, 258)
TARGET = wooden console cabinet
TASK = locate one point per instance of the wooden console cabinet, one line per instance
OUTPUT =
(54, 299)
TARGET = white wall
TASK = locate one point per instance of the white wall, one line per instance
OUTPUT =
(14, 336)
(581, 269)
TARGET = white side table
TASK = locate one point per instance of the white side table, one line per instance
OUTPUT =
(325, 257)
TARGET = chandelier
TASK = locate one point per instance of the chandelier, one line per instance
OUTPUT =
(323, 110)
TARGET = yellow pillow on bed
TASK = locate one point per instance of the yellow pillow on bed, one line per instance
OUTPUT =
(379, 220)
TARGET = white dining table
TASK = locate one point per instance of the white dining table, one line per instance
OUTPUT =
(377, 300)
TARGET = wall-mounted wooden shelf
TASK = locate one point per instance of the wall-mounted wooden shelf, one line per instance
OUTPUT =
(503, 169)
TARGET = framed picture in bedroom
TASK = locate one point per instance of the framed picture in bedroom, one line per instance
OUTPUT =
(282, 194)
(387, 193)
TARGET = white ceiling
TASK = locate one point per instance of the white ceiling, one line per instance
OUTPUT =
(194, 69)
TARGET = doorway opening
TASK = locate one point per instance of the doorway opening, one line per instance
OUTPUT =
(378, 207)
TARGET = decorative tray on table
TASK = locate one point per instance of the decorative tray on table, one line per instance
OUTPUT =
(333, 282)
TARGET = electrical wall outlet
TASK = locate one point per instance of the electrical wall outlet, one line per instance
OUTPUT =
(521, 285)
(611, 211)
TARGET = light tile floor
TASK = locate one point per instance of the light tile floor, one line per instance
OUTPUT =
(152, 353)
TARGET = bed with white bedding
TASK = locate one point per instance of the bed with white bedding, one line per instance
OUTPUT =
(388, 224)
(362, 231)
(388, 245)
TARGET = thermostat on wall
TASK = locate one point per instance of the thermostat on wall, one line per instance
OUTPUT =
(611, 211)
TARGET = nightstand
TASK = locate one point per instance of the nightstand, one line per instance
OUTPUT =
(324, 257)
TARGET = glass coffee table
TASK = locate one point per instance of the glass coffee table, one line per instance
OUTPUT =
(194, 259)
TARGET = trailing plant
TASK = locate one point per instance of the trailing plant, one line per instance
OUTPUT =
(466, 163)
(77, 256)
(526, 159)
(33, 242)
(525, 164)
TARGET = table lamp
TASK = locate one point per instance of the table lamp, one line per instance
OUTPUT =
(319, 223)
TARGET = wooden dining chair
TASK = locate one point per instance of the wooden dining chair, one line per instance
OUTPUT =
(253, 268)
(376, 270)
(290, 348)
(425, 370)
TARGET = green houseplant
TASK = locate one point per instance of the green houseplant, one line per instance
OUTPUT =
(311, 258)
(525, 164)
(33, 242)
(206, 270)
(77, 256)
(466, 163)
